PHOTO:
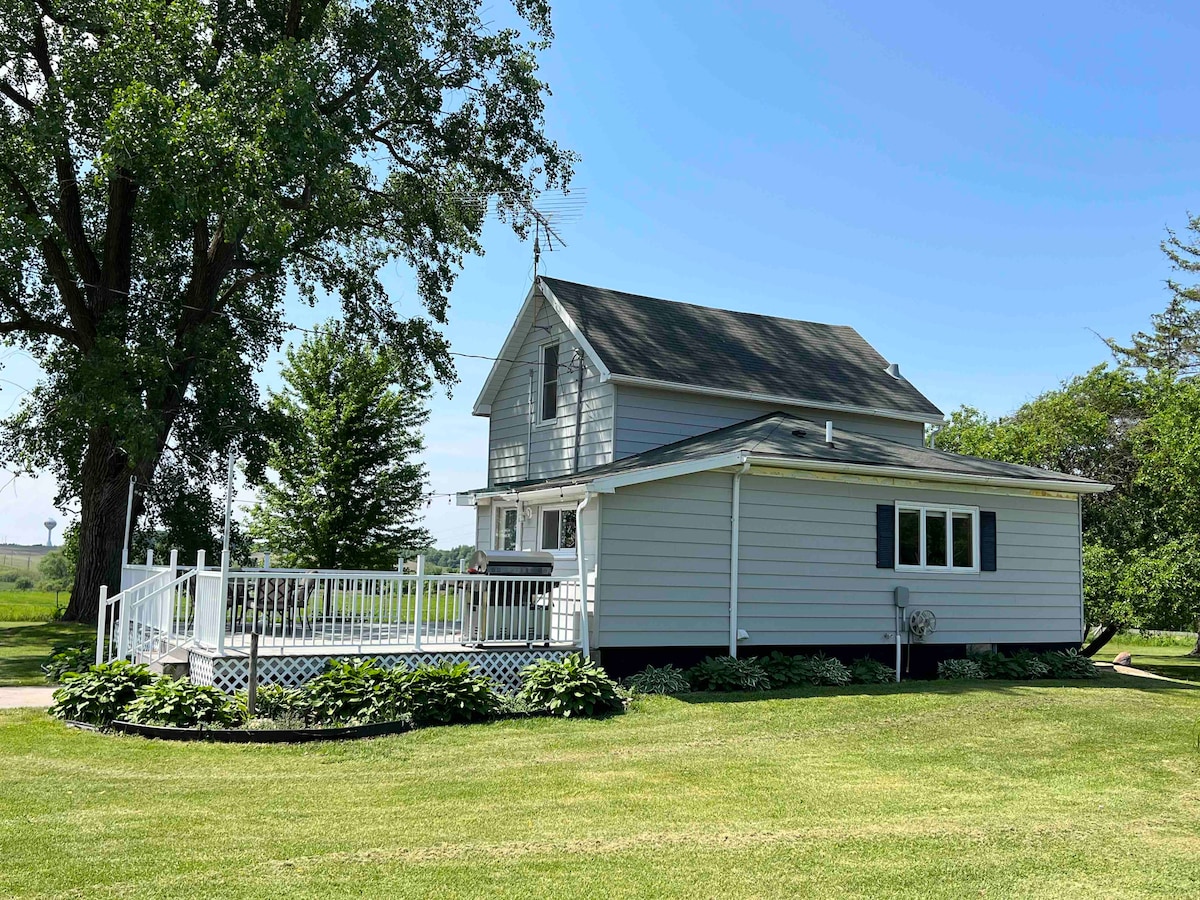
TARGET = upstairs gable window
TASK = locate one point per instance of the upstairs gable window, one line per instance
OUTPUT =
(549, 393)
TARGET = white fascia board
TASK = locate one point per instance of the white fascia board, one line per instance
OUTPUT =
(930, 475)
(609, 483)
(636, 381)
(465, 498)
(575, 331)
(516, 334)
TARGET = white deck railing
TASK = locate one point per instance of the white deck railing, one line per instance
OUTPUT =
(335, 611)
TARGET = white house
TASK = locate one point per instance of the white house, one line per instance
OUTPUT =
(735, 483)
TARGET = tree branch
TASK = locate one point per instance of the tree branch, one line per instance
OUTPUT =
(59, 18)
(16, 97)
(357, 87)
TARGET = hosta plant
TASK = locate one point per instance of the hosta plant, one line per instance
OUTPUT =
(99, 695)
(351, 692)
(659, 680)
(871, 671)
(69, 658)
(827, 671)
(960, 670)
(725, 673)
(569, 687)
(447, 694)
(785, 669)
(1069, 664)
(182, 704)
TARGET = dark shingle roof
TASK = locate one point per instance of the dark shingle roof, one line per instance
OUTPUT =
(736, 351)
(776, 435)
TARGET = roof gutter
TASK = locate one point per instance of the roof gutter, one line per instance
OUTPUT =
(818, 465)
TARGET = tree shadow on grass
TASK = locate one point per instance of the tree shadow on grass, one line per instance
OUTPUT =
(25, 646)
(916, 686)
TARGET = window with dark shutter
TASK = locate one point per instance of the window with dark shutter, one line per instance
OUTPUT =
(987, 541)
(885, 536)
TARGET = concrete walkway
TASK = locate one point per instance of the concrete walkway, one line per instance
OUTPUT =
(16, 697)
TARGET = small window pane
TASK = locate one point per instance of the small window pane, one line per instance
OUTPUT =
(964, 543)
(506, 534)
(568, 529)
(549, 382)
(550, 524)
(910, 537)
(935, 538)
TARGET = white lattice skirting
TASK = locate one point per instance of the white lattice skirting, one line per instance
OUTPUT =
(231, 673)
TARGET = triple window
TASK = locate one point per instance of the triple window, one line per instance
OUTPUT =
(937, 538)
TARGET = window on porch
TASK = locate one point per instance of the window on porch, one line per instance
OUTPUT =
(558, 528)
(505, 537)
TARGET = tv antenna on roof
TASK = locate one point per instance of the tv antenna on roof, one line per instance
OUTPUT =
(551, 212)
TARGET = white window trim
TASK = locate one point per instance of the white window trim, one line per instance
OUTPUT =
(538, 421)
(498, 511)
(566, 552)
(922, 508)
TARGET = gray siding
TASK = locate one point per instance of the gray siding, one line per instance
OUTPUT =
(552, 447)
(647, 418)
(807, 566)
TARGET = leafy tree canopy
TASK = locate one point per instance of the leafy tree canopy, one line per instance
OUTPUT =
(169, 169)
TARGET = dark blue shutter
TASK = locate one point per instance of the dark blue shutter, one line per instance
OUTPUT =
(987, 541)
(885, 536)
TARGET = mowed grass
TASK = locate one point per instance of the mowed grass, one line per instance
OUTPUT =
(24, 646)
(28, 606)
(1162, 656)
(924, 790)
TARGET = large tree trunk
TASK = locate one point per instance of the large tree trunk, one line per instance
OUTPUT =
(105, 492)
(1195, 651)
(1097, 643)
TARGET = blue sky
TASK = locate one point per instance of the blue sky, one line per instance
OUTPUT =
(973, 188)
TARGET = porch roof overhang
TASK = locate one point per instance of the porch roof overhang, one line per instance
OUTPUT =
(769, 465)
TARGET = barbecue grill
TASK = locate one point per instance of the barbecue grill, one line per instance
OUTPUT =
(502, 610)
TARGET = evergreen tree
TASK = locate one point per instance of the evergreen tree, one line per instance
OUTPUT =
(1173, 343)
(349, 490)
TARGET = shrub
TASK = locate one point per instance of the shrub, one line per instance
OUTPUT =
(277, 702)
(355, 691)
(98, 695)
(1069, 664)
(447, 694)
(569, 687)
(69, 659)
(725, 673)
(825, 670)
(960, 670)
(182, 704)
(1030, 664)
(24, 583)
(784, 669)
(871, 671)
(659, 680)
(8, 577)
(997, 665)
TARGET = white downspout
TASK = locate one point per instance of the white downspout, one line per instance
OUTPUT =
(585, 645)
(734, 552)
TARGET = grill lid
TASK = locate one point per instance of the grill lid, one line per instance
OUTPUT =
(511, 562)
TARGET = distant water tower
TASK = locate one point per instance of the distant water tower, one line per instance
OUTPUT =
(50, 526)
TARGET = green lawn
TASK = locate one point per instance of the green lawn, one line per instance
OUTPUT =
(27, 606)
(1158, 655)
(24, 646)
(923, 791)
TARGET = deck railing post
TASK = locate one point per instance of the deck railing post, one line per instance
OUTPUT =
(101, 618)
(419, 605)
(172, 601)
(120, 613)
(222, 599)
